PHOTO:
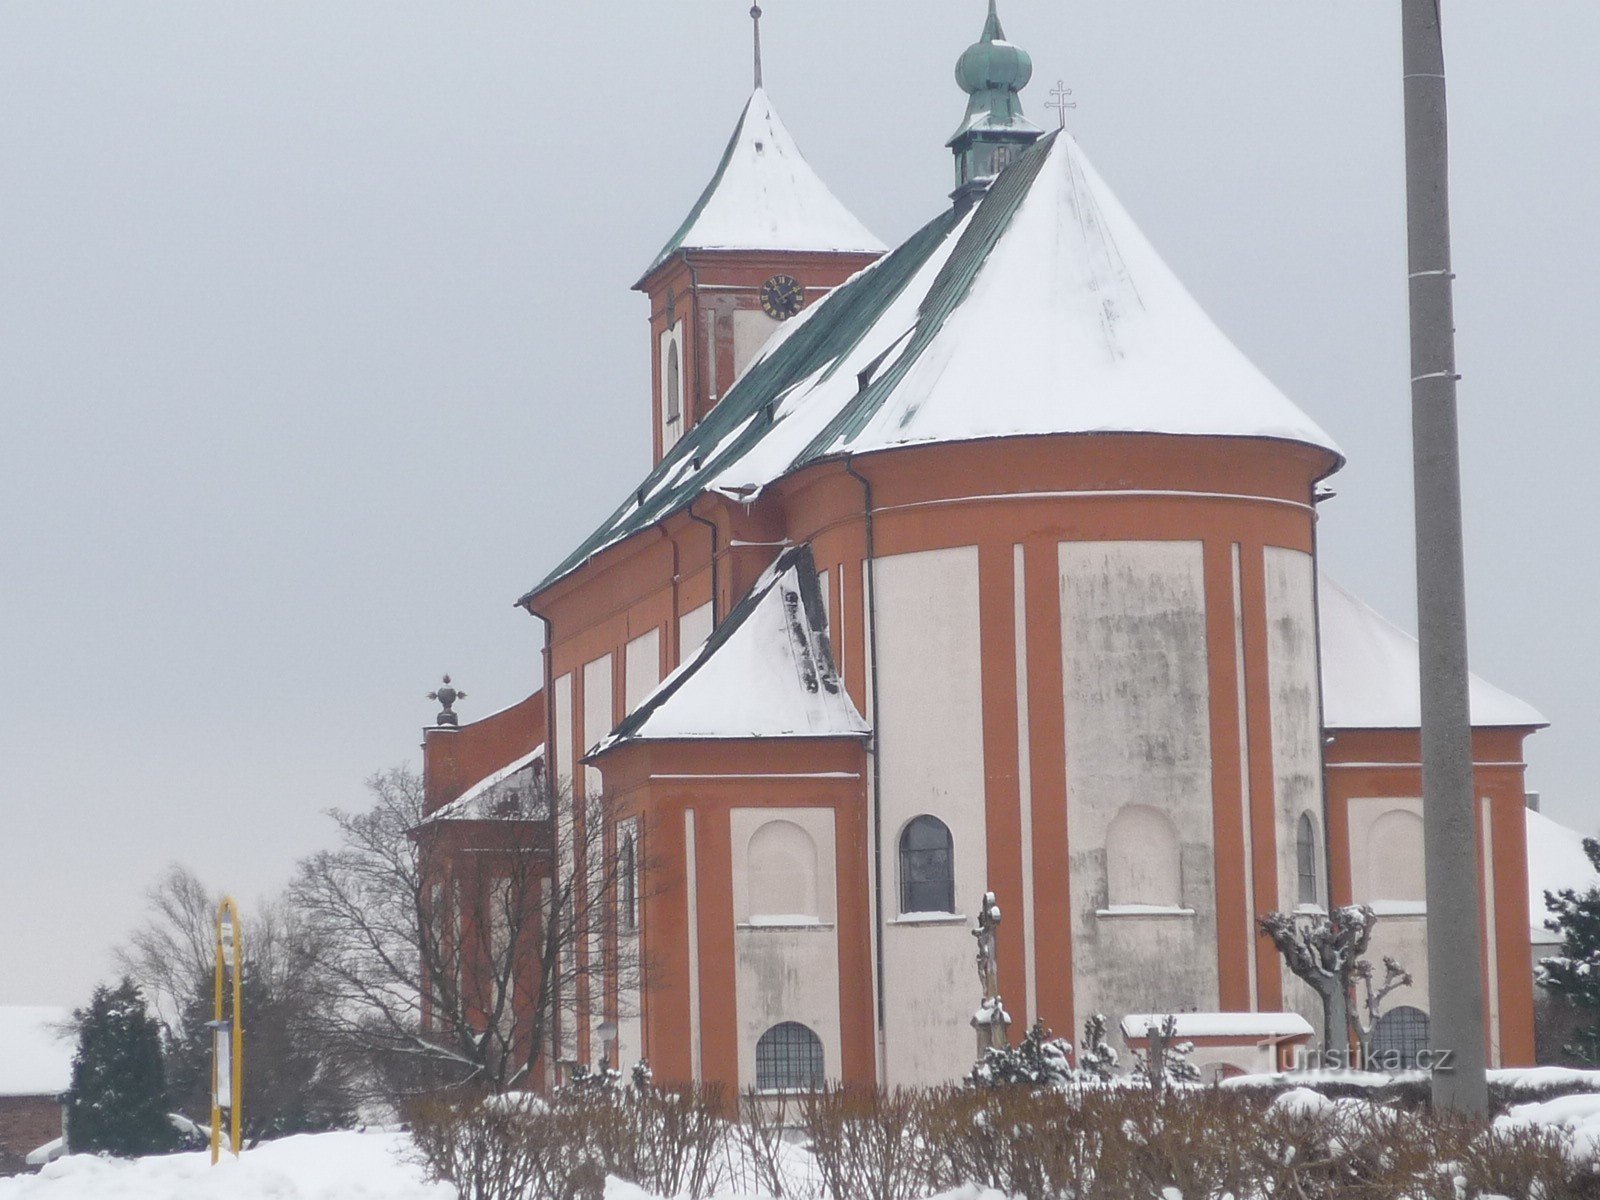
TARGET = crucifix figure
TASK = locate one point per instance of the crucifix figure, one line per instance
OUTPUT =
(991, 1021)
(1059, 100)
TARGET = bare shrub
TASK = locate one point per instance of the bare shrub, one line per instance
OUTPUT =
(868, 1141)
(760, 1153)
(512, 1147)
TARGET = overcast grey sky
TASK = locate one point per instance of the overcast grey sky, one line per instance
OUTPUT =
(317, 349)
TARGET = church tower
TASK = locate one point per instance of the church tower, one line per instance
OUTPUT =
(765, 239)
(994, 132)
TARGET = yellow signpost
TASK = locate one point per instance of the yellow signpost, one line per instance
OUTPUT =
(227, 1030)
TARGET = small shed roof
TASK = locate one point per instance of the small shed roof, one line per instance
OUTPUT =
(1136, 1026)
(35, 1056)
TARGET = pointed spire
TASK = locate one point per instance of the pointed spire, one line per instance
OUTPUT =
(755, 18)
(993, 73)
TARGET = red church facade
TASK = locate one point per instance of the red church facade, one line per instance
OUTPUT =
(988, 564)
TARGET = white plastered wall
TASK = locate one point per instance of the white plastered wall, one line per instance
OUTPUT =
(566, 786)
(930, 753)
(597, 723)
(1138, 732)
(751, 329)
(641, 671)
(1386, 871)
(788, 971)
(694, 627)
(1292, 682)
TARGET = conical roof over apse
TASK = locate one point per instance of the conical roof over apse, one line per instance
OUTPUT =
(765, 196)
(1041, 310)
(1372, 672)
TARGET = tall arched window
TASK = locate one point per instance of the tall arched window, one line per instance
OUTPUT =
(627, 868)
(927, 867)
(782, 872)
(789, 1059)
(674, 385)
(1394, 858)
(1397, 1038)
(1142, 860)
(1305, 849)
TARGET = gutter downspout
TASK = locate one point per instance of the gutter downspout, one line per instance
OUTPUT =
(711, 525)
(872, 748)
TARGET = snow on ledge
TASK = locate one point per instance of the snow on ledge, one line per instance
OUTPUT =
(930, 918)
(784, 921)
(1144, 910)
(1399, 908)
(1136, 1026)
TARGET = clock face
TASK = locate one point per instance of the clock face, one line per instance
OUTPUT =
(782, 297)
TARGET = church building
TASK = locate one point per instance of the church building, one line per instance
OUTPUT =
(986, 563)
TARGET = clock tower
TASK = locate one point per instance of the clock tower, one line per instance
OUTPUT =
(765, 240)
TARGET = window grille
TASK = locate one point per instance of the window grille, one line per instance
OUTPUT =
(1400, 1035)
(1306, 853)
(789, 1059)
(927, 867)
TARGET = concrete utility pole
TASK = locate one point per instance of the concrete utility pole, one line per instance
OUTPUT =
(1455, 973)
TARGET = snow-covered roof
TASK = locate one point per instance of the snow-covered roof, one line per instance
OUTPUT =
(35, 1057)
(765, 196)
(1135, 1026)
(507, 793)
(1555, 861)
(766, 671)
(1371, 677)
(1041, 310)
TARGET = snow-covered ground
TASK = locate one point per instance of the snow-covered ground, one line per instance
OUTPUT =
(376, 1165)
(325, 1166)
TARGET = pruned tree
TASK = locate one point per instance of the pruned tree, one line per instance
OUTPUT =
(457, 962)
(1574, 972)
(1326, 951)
(296, 1081)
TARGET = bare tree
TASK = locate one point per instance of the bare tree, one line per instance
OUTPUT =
(1325, 950)
(296, 1082)
(455, 950)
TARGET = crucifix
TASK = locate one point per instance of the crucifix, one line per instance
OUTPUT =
(1059, 100)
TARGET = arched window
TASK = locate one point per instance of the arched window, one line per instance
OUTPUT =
(782, 872)
(789, 1059)
(1142, 860)
(1394, 857)
(1397, 1038)
(1305, 849)
(627, 868)
(674, 384)
(927, 867)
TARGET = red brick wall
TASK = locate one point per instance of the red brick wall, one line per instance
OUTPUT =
(26, 1123)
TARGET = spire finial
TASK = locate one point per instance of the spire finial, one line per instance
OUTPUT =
(755, 18)
(446, 696)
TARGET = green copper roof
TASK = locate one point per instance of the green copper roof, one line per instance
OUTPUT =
(992, 71)
(829, 331)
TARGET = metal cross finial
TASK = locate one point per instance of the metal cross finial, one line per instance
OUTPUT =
(755, 17)
(1059, 100)
(446, 696)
